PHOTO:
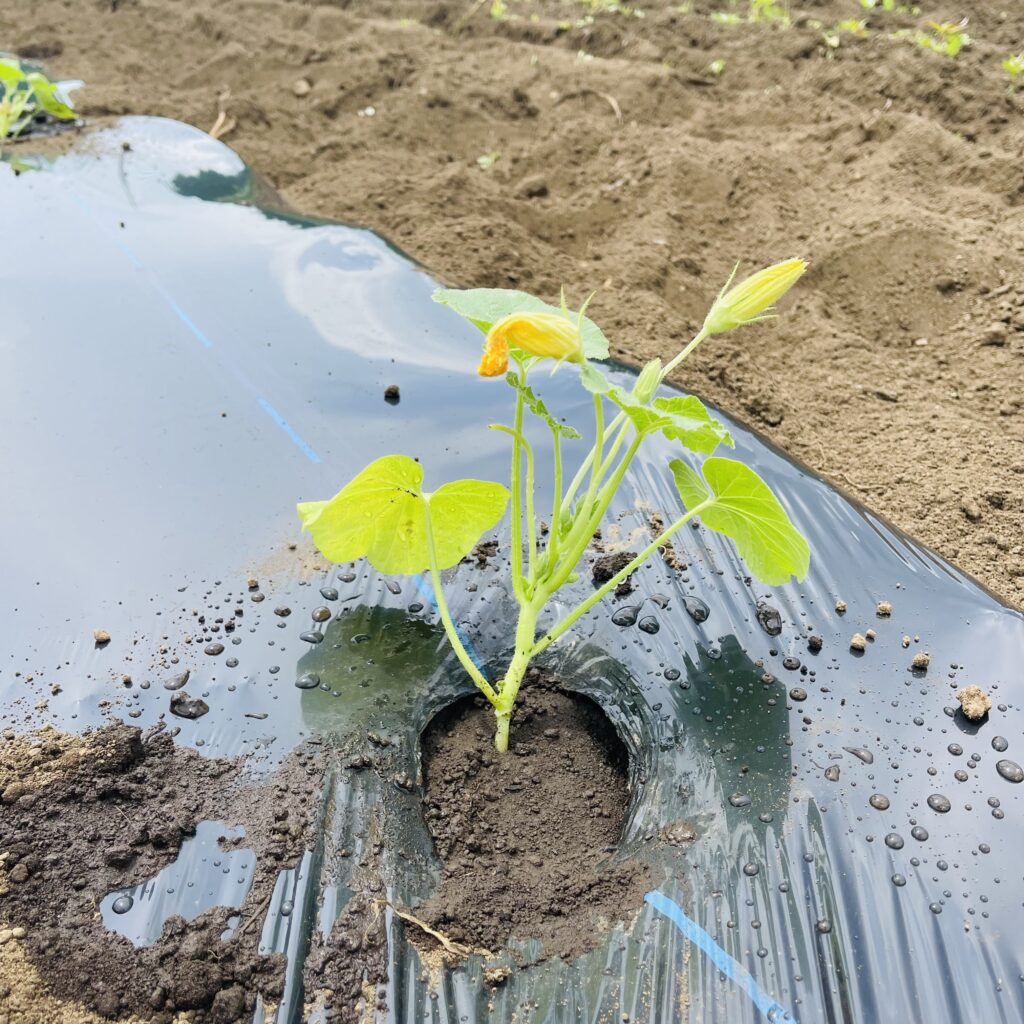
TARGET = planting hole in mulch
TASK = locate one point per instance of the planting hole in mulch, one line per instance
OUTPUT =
(528, 839)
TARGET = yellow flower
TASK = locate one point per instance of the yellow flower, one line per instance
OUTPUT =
(547, 335)
(752, 299)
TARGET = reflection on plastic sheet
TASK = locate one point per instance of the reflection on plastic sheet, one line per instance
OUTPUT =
(856, 840)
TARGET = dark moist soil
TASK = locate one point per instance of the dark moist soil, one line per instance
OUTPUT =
(607, 566)
(84, 815)
(527, 839)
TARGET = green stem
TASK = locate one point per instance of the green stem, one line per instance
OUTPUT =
(525, 633)
(586, 505)
(581, 473)
(517, 497)
(672, 364)
(556, 631)
(551, 553)
(584, 527)
(531, 519)
(449, 626)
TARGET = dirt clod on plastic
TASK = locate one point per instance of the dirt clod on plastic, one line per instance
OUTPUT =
(974, 702)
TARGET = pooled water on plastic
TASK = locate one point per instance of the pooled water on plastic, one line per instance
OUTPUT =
(202, 876)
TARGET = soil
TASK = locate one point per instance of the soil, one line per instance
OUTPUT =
(607, 567)
(85, 815)
(527, 840)
(617, 161)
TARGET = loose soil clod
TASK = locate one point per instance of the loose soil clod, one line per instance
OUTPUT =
(974, 702)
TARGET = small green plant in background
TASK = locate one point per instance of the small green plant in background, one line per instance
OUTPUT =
(856, 27)
(716, 68)
(1014, 67)
(891, 6)
(947, 37)
(25, 94)
(757, 11)
(387, 516)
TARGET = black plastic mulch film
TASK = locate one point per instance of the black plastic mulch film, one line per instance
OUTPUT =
(178, 371)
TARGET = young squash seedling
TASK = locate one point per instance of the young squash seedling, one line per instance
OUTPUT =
(25, 93)
(385, 515)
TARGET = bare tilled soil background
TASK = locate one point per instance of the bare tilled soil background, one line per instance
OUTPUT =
(614, 159)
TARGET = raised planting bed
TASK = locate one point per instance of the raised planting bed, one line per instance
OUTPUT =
(719, 809)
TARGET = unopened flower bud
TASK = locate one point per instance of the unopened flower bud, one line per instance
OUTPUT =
(752, 299)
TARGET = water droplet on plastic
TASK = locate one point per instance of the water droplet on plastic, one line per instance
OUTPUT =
(797, 694)
(347, 577)
(231, 663)
(899, 881)
(122, 904)
(698, 610)
(935, 908)
(750, 869)
(321, 614)
(213, 649)
(739, 800)
(649, 624)
(939, 803)
(960, 775)
(879, 802)
(329, 593)
(861, 754)
(955, 749)
(999, 743)
(307, 681)
(832, 773)
(626, 616)
(894, 841)
(177, 682)
(415, 608)
(823, 926)
(919, 833)
(286, 908)
(393, 586)
(672, 674)
(311, 636)
(1010, 770)
(791, 663)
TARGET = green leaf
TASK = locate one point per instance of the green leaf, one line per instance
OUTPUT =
(486, 306)
(681, 418)
(594, 380)
(536, 405)
(381, 514)
(745, 510)
(48, 97)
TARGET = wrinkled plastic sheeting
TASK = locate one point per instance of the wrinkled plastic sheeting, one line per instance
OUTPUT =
(174, 309)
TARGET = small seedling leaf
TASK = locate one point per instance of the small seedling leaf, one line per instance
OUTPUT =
(47, 96)
(381, 514)
(683, 418)
(745, 510)
(486, 306)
